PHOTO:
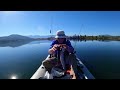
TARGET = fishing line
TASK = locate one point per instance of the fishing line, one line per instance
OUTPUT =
(78, 34)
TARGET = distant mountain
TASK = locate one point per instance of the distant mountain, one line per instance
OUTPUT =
(15, 37)
(107, 35)
(38, 36)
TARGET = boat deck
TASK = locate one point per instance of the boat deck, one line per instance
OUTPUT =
(83, 72)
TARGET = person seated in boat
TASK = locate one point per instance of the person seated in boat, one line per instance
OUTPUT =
(61, 39)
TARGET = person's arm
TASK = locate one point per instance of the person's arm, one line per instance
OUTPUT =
(50, 51)
(70, 49)
(53, 47)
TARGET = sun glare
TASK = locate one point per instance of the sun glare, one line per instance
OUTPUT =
(13, 77)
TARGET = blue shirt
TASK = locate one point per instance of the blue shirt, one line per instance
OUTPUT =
(67, 42)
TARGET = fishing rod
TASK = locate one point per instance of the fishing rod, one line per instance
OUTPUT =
(51, 26)
(78, 34)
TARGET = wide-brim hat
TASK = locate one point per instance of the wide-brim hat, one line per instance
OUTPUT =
(60, 34)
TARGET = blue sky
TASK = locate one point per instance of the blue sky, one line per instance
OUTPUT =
(72, 22)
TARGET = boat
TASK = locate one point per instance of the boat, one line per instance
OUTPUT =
(57, 73)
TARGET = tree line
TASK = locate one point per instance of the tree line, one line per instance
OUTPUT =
(99, 37)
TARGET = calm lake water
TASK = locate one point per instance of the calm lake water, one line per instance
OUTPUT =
(21, 60)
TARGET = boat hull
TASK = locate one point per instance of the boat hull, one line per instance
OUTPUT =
(83, 72)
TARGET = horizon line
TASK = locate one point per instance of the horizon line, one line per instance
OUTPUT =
(66, 35)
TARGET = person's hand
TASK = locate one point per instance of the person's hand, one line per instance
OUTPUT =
(64, 46)
(54, 48)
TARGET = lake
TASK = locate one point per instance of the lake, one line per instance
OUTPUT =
(20, 61)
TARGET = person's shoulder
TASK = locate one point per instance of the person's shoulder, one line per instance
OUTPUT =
(68, 41)
(54, 41)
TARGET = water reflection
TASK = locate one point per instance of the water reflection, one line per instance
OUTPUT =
(14, 43)
(20, 43)
(21, 62)
(13, 77)
(100, 57)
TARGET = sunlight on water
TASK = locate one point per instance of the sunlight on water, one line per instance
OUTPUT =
(13, 77)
